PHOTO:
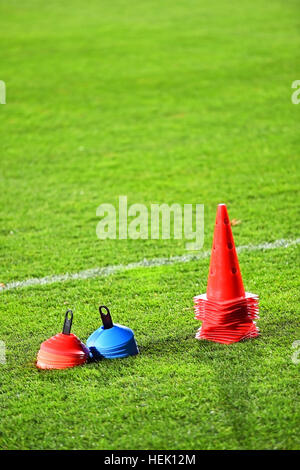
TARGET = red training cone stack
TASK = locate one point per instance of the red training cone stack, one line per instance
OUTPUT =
(226, 310)
(62, 350)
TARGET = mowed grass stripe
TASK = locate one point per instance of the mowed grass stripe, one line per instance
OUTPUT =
(110, 270)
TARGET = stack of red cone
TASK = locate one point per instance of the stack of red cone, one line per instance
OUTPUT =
(62, 350)
(227, 312)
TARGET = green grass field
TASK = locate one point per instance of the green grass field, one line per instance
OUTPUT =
(171, 101)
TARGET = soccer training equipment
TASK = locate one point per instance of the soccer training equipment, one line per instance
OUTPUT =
(62, 350)
(227, 312)
(111, 340)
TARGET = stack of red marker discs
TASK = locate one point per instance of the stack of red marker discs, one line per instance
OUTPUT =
(62, 350)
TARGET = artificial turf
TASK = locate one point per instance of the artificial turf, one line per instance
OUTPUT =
(186, 102)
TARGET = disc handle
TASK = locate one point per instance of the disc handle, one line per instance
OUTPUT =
(105, 317)
(68, 322)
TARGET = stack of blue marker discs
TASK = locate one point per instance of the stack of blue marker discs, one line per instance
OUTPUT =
(111, 340)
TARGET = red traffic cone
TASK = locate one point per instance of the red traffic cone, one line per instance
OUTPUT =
(226, 310)
(62, 350)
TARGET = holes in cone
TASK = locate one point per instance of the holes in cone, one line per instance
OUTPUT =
(229, 245)
(233, 270)
(214, 247)
(226, 221)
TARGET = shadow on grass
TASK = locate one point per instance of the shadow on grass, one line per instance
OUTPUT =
(235, 368)
(166, 346)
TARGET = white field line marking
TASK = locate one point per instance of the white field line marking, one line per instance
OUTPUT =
(109, 270)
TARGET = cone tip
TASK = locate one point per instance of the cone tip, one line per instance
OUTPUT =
(222, 212)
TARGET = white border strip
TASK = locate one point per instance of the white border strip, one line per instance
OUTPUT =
(109, 270)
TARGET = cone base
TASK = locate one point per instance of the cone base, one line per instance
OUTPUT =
(224, 338)
(227, 322)
(130, 349)
(44, 366)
